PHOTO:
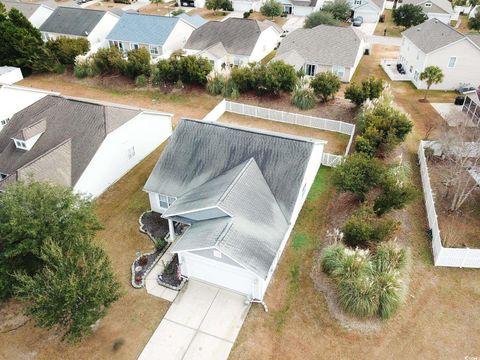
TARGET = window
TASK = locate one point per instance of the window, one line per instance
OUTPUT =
(4, 121)
(2, 176)
(134, 46)
(452, 61)
(411, 69)
(310, 70)
(415, 77)
(358, 2)
(165, 201)
(428, 4)
(154, 50)
(20, 144)
(339, 71)
(131, 152)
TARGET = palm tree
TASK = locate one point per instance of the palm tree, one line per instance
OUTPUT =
(432, 75)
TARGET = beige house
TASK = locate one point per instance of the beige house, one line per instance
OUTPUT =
(435, 43)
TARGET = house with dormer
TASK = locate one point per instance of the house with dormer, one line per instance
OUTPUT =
(82, 144)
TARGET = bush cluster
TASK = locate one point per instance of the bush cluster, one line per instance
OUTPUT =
(325, 85)
(187, 69)
(368, 284)
(370, 89)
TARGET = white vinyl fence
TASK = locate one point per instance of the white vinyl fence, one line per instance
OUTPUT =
(443, 256)
(330, 160)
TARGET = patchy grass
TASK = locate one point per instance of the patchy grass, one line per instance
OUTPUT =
(300, 240)
(158, 9)
(392, 29)
(277, 20)
(319, 186)
(209, 14)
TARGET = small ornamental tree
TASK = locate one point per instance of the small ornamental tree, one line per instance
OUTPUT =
(271, 9)
(138, 63)
(73, 290)
(243, 77)
(371, 88)
(325, 85)
(67, 49)
(219, 4)
(358, 174)
(109, 61)
(32, 213)
(320, 17)
(431, 75)
(340, 9)
(409, 15)
(474, 21)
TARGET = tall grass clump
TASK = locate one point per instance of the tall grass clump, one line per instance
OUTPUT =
(215, 83)
(303, 96)
(368, 285)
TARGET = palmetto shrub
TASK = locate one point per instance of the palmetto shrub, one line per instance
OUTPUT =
(368, 285)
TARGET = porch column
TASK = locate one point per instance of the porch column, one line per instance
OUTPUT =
(171, 228)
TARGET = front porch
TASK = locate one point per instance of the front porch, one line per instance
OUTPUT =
(390, 67)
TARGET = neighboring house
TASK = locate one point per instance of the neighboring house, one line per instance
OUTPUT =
(324, 48)
(233, 42)
(436, 43)
(435, 9)
(301, 7)
(194, 20)
(161, 35)
(78, 143)
(238, 5)
(471, 107)
(16, 98)
(474, 11)
(10, 75)
(93, 25)
(369, 10)
(35, 13)
(240, 190)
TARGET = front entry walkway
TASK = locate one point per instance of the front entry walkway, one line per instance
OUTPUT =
(202, 323)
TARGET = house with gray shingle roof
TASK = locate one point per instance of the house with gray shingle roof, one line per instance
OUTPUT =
(239, 192)
(324, 48)
(439, 44)
(35, 13)
(161, 35)
(301, 7)
(234, 42)
(435, 9)
(83, 144)
(94, 25)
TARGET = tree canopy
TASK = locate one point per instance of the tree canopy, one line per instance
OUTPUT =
(340, 9)
(320, 17)
(271, 8)
(325, 85)
(409, 15)
(474, 21)
(371, 88)
(219, 4)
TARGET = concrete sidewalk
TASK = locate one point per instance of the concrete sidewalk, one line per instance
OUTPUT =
(202, 323)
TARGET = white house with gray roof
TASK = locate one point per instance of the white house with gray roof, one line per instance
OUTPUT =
(79, 143)
(94, 25)
(436, 43)
(324, 48)
(301, 7)
(239, 191)
(35, 13)
(233, 42)
(161, 35)
(369, 10)
(435, 9)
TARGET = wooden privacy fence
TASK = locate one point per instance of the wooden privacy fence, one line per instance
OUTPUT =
(443, 256)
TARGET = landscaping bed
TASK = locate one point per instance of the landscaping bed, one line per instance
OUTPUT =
(170, 277)
(152, 224)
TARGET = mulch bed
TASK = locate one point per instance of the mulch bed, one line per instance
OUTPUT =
(142, 266)
(171, 275)
(153, 225)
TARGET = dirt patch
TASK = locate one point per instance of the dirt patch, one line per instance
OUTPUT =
(209, 14)
(157, 9)
(277, 20)
(459, 229)
(105, 6)
(337, 143)
(12, 316)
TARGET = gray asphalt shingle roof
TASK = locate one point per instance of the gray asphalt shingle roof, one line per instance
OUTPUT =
(432, 35)
(143, 29)
(323, 44)
(60, 120)
(438, 6)
(200, 151)
(27, 9)
(253, 234)
(72, 21)
(238, 36)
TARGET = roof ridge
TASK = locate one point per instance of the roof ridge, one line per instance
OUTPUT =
(235, 181)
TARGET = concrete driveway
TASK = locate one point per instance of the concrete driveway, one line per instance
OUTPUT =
(294, 23)
(202, 323)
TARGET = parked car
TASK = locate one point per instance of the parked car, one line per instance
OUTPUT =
(357, 21)
(464, 89)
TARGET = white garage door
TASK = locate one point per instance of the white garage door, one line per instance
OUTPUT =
(368, 16)
(218, 273)
(242, 6)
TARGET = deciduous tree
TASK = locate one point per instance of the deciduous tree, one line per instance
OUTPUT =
(409, 15)
(320, 17)
(325, 85)
(271, 8)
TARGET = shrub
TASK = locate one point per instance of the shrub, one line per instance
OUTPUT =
(364, 228)
(193, 70)
(303, 97)
(138, 63)
(370, 89)
(122, 1)
(59, 68)
(278, 77)
(177, 12)
(215, 84)
(244, 77)
(358, 296)
(332, 258)
(408, 15)
(325, 85)
(141, 80)
(230, 90)
(246, 14)
(340, 9)
(395, 195)
(382, 127)
(474, 22)
(109, 61)
(166, 72)
(66, 49)
(320, 17)
(271, 8)
(358, 174)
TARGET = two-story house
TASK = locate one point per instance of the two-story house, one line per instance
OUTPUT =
(435, 9)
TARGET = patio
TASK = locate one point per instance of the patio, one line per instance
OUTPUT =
(390, 67)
